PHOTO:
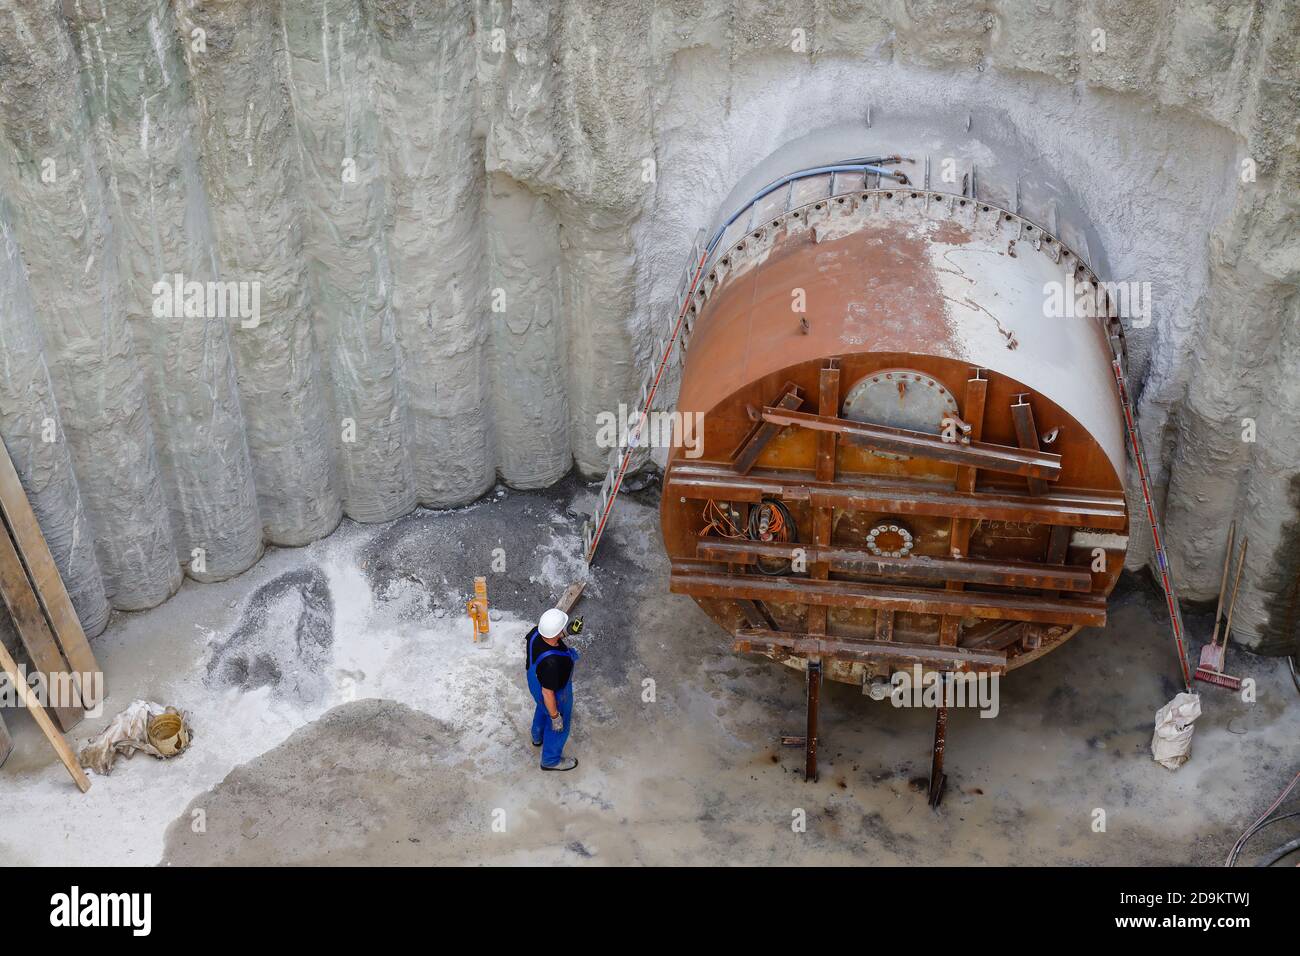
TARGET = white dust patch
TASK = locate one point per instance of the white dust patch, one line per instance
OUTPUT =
(378, 652)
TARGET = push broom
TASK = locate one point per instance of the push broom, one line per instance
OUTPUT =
(1213, 655)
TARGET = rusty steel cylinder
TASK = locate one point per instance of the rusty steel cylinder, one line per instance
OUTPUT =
(912, 441)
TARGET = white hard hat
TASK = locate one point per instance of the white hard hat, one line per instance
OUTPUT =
(552, 623)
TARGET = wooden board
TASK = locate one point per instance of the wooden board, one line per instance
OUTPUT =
(572, 594)
(36, 558)
(66, 756)
(6, 742)
(32, 629)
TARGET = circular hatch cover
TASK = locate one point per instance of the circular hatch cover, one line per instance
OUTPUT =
(900, 398)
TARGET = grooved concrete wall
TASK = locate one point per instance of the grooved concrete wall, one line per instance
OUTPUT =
(464, 217)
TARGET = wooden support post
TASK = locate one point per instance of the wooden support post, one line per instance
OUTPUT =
(959, 532)
(51, 732)
(6, 742)
(814, 707)
(34, 632)
(34, 553)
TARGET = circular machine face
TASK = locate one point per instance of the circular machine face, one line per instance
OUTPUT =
(963, 555)
(900, 398)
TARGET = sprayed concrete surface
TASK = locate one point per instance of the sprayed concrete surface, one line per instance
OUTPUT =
(341, 715)
(467, 219)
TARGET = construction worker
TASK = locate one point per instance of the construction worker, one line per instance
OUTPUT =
(550, 679)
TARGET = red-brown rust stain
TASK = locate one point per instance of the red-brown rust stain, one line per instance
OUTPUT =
(949, 232)
(874, 290)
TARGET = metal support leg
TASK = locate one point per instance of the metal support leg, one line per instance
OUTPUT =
(814, 703)
(937, 777)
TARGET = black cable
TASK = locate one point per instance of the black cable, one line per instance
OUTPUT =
(1284, 850)
(1267, 822)
(790, 532)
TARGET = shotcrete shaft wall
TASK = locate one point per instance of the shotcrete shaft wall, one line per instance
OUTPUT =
(465, 216)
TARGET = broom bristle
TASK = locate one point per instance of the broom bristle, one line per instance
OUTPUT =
(1215, 677)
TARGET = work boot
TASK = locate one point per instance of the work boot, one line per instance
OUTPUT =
(567, 763)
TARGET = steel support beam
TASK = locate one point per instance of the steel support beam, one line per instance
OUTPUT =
(690, 578)
(747, 452)
(931, 657)
(924, 568)
(936, 499)
(902, 441)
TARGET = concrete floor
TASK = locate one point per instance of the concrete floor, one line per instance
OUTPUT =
(341, 715)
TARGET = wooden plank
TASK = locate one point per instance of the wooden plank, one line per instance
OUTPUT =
(928, 498)
(6, 742)
(929, 656)
(1087, 612)
(903, 441)
(919, 567)
(572, 594)
(747, 452)
(33, 631)
(42, 719)
(44, 575)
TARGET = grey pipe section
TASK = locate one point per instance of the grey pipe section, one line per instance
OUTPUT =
(138, 101)
(332, 84)
(251, 172)
(528, 340)
(62, 225)
(436, 244)
(33, 435)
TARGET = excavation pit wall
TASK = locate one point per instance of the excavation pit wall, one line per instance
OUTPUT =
(467, 224)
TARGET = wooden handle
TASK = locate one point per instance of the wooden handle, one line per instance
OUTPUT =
(1236, 580)
(1223, 584)
(43, 719)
